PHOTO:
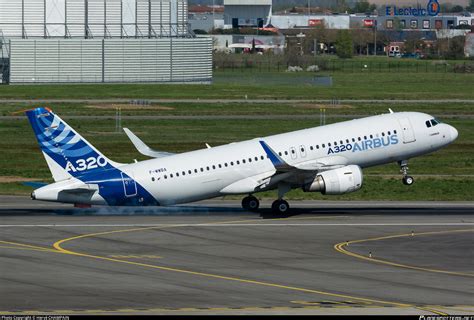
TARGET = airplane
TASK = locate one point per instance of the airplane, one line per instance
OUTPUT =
(327, 159)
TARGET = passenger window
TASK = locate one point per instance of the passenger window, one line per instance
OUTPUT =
(171, 175)
(202, 169)
(177, 174)
(383, 134)
(195, 170)
(335, 143)
(365, 137)
(220, 166)
(371, 136)
(250, 159)
(256, 158)
(329, 144)
(152, 179)
(394, 131)
(286, 153)
(353, 140)
(189, 171)
(232, 163)
(317, 146)
(243, 160)
(359, 138)
(261, 157)
(347, 140)
(166, 177)
(324, 146)
(238, 162)
(213, 167)
(184, 173)
(225, 164)
(279, 153)
(311, 148)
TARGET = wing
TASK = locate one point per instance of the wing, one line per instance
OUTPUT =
(317, 165)
(283, 172)
(143, 148)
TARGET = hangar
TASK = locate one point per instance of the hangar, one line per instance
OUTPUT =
(100, 41)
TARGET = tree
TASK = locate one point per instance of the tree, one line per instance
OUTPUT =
(470, 7)
(362, 6)
(457, 8)
(344, 44)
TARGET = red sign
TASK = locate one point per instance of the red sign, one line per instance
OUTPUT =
(368, 23)
(315, 22)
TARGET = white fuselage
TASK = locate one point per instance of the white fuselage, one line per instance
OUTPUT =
(365, 142)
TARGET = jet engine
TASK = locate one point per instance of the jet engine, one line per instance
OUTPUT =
(337, 181)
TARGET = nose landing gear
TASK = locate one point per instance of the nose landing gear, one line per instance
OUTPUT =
(407, 180)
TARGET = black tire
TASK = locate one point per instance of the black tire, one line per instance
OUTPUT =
(408, 180)
(280, 207)
(250, 203)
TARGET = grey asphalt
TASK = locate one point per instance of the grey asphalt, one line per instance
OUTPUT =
(212, 257)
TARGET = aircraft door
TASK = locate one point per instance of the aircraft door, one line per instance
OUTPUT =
(407, 130)
(129, 185)
(293, 153)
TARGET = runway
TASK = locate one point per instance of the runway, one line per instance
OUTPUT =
(214, 258)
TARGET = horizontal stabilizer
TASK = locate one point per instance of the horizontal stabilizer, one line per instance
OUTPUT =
(34, 184)
(143, 148)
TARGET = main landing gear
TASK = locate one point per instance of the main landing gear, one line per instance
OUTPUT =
(407, 180)
(250, 203)
(279, 207)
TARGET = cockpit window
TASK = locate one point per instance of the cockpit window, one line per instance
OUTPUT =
(432, 122)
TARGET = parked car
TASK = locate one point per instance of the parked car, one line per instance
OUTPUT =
(394, 54)
(415, 55)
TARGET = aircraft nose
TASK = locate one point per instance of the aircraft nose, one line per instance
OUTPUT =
(453, 133)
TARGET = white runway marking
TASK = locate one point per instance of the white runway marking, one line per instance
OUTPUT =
(235, 225)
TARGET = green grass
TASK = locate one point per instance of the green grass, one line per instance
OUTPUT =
(246, 109)
(22, 157)
(268, 85)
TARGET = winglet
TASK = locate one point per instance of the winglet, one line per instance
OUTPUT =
(276, 160)
(143, 148)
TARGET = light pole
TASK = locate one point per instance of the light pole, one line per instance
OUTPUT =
(375, 37)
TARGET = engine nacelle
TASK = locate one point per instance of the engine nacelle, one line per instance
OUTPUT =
(338, 181)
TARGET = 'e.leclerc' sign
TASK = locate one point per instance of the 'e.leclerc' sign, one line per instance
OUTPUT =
(432, 9)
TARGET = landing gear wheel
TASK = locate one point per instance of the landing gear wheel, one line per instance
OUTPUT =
(250, 203)
(408, 180)
(280, 207)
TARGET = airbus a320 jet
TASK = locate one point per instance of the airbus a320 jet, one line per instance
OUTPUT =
(327, 159)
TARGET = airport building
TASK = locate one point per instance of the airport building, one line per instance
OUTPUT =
(100, 41)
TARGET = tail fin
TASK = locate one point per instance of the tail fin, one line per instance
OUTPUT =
(66, 152)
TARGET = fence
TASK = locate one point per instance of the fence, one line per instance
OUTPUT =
(255, 63)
